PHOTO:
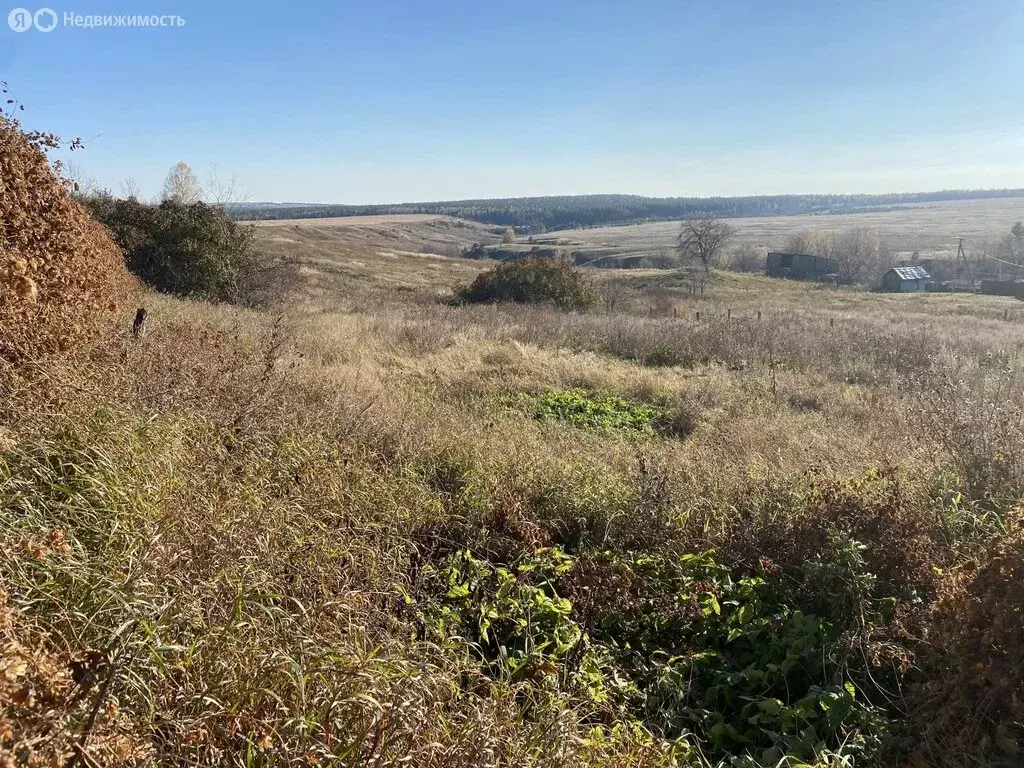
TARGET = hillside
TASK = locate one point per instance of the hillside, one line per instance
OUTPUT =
(719, 478)
(932, 229)
(775, 524)
(531, 215)
(379, 252)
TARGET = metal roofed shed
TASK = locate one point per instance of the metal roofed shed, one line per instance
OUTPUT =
(801, 266)
(906, 280)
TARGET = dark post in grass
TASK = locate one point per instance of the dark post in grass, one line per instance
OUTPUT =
(139, 326)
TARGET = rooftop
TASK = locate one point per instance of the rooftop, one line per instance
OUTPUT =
(911, 273)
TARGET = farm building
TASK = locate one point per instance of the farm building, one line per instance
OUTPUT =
(906, 280)
(1003, 288)
(801, 266)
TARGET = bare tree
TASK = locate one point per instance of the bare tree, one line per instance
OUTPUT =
(182, 186)
(861, 255)
(80, 182)
(811, 241)
(227, 193)
(703, 240)
(130, 189)
(748, 258)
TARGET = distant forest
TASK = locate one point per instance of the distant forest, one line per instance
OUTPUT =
(530, 215)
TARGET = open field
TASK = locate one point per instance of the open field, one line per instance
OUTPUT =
(358, 234)
(371, 528)
(357, 221)
(343, 257)
(932, 229)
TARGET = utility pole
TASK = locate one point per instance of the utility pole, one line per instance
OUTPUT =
(963, 264)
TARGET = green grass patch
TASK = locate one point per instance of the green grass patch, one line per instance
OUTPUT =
(589, 410)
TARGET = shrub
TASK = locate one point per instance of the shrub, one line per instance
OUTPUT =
(186, 249)
(477, 251)
(531, 281)
(60, 273)
(976, 418)
(728, 659)
(971, 709)
(747, 258)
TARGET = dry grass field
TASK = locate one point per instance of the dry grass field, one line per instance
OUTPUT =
(932, 229)
(370, 527)
(342, 257)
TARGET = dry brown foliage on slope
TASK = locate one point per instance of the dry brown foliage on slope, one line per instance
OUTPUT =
(978, 664)
(61, 275)
(43, 692)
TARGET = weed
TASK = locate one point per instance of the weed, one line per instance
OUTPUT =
(581, 408)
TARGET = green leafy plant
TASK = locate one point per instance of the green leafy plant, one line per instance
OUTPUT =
(674, 643)
(721, 657)
(516, 621)
(591, 411)
(512, 614)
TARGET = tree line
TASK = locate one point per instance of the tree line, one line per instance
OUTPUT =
(532, 215)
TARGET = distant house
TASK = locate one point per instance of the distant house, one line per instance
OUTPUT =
(906, 280)
(801, 266)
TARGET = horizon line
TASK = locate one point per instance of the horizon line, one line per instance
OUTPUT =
(993, 191)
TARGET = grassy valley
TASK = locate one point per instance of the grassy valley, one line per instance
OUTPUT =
(509, 478)
(930, 230)
(371, 526)
(535, 215)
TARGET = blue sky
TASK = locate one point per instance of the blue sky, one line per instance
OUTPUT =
(393, 101)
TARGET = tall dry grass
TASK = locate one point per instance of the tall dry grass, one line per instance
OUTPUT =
(214, 540)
